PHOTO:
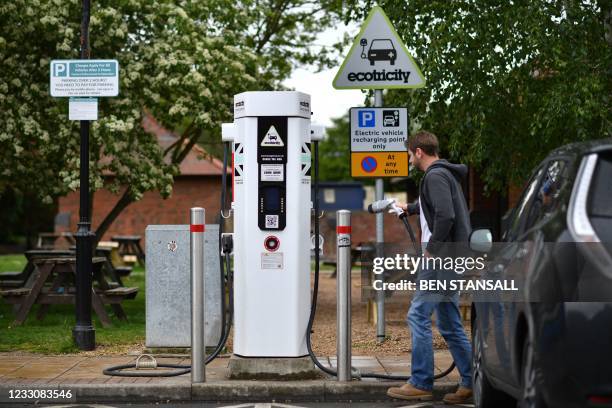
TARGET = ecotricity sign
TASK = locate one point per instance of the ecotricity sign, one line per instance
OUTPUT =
(378, 59)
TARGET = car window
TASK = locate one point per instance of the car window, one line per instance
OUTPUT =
(548, 197)
(382, 45)
(520, 213)
(600, 200)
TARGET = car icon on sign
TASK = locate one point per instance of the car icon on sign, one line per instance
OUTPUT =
(382, 50)
(389, 121)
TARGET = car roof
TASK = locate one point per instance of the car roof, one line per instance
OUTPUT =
(582, 148)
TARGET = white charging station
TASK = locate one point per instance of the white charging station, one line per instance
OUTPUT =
(271, 136)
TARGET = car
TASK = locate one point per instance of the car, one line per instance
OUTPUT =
(382, 50)
(389, 121)
(553, 346)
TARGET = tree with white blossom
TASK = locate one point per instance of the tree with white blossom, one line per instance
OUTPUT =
(182, 61)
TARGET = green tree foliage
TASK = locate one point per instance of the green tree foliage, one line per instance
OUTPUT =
(507, 81)
(180, 60)
(334, 155)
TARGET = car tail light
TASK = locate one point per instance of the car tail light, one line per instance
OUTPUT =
(600, 400)
(578, 220)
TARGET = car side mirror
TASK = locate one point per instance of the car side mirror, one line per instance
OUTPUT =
(481, 240)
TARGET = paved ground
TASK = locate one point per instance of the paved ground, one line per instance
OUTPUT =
(39, 369)
(370, 404)
(83, 374)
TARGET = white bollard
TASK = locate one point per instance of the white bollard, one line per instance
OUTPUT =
(343, 294)
(198, 348)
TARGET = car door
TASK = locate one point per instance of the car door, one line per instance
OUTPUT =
(545, 222)
(499, 317)
(531, 254)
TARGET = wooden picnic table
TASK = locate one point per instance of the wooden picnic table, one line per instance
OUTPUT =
(53, 283)
(115, 273)
(130, 245)
(19, 279)
(356, 257)
(48, 240)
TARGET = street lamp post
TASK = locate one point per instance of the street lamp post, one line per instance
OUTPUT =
(84, 333)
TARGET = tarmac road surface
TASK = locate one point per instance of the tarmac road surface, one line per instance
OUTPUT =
(383, 404)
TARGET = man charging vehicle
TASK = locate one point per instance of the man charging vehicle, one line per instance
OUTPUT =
(444, 219)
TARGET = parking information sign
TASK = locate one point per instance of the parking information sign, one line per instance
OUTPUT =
(378, 59)
(377, 142)
(88, 78)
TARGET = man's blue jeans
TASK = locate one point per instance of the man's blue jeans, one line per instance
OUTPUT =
(449, 324)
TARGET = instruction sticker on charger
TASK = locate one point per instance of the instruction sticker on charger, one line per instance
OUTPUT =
(271, 260)
(272, 172)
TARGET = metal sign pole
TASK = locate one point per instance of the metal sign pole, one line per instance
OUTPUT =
(84, 333)
(380, 239)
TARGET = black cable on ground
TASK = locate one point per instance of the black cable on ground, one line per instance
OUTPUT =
(116, 371)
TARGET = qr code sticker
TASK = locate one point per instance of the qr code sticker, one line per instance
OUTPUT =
(271, 221)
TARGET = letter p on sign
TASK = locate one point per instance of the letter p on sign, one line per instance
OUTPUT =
(366, 118)
(59, 69)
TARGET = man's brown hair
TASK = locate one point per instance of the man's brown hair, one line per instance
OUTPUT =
(424, 140)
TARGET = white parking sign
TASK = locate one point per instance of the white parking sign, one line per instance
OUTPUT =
(378, 129)
(84, 78)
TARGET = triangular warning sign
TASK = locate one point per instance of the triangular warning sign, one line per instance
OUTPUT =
(272, 138)
(378, 58)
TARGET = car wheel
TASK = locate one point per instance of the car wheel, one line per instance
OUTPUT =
(485, 396)
(392, 62)
(371, 62)
(531, 396)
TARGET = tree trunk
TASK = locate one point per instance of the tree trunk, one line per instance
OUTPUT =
(178, 155)
(125, 200)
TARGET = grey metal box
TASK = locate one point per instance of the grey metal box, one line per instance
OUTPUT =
(168, 286)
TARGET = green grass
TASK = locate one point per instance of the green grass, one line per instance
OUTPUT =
(54, 333)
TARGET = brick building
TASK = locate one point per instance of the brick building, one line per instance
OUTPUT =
(199, 184)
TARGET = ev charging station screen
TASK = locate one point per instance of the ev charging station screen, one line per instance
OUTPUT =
(272, 197)
(272, 162)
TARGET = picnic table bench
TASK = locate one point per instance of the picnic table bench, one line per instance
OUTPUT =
(52, 283)
(129, 245)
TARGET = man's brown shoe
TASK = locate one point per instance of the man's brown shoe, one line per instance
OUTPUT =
(409, 392)
(461, 396)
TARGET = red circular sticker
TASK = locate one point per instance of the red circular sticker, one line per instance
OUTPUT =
(271, 243)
